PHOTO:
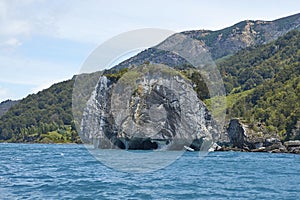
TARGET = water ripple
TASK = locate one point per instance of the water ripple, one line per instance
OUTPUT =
(38, 171)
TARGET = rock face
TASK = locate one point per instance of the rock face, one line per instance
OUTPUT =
(293, 146)
(221, 43)
(242, 139)
(237, 134)
(244, 34)
(148, 108)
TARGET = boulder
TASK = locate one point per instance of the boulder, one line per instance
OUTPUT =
(237, 134)
(147, 105)
(276, 148)
(292, 143)
(293, 146)
(239, 137)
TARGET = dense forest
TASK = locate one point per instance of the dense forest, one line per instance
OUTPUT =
(262, 83)
(6, 105)
(42, 117)
(269, 75)
(253, 66)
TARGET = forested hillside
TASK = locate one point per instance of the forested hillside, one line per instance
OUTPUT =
(269, 76)
(262, 83)
(251, 67)
(42, 117)
(6, 105)
(273, 107)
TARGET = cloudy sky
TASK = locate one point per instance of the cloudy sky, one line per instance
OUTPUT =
(44, 41)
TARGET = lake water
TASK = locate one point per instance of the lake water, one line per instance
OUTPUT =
(44, 171)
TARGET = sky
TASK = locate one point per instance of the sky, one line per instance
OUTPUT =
(43, 42)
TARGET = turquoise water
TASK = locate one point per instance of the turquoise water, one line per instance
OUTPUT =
(43, 171)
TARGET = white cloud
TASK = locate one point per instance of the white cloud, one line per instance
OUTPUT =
(15, 27)
(10, 24)
(21, 20)
(10, 43)
(20, 70)
(91, 22)
(94, 21)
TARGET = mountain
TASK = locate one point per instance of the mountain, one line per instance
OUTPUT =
(247, 68)
(6, 105)
(244, 34)
(221, 43)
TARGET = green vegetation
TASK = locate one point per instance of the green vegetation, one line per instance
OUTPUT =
(231, 100)
(6, 105)
(42, 117)
(274, 104)
(116, 75)
(262, 83)
(253, 66)
(199, 82)
(267, 86)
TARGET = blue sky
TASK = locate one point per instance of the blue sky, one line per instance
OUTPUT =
(43, 42)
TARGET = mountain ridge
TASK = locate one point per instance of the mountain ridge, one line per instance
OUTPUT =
(63, 125)
(220, 43)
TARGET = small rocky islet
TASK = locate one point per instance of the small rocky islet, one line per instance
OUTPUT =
(241, 138)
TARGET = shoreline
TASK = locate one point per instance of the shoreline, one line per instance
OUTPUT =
(220, 149)
(226, 149)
